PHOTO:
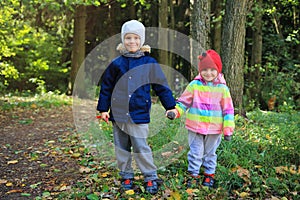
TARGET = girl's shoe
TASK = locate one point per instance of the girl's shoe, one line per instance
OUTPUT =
(152, 186)
(208, 180)
(127, 184)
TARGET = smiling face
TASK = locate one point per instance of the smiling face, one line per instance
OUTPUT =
(209, 74)
(132, 42)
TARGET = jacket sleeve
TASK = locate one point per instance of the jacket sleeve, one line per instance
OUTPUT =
(185, 101)
(228, 113)
(106, 88)
(161, 87)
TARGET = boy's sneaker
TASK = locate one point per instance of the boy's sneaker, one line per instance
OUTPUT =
(127, 184)
(193, 181)
(208, 180)
(152, 186)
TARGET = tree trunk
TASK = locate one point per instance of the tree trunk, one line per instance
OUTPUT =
(216, 25)
(163, 38)
(256, 53)
(200, 27)
(233, 48)
(78, 53)
(200, 22)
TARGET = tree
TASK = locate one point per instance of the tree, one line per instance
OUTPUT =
(256, 54)
(163, 39)
(233, 48)
(200, 26)
(216, 25)
(78, 53)
(200, 22)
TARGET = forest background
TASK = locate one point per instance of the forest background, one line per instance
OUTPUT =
(44, 42)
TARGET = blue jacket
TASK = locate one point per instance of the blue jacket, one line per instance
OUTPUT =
(125, 89)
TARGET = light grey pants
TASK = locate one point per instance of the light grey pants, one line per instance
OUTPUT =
(203, 152)
(133, 137)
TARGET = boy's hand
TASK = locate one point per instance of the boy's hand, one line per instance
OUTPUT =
(172, 114)
(227, 137)
(105, 116)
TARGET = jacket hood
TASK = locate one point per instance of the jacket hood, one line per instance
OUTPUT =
(219, 80)
(145, 48)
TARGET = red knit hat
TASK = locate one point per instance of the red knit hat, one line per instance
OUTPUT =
(210, 59)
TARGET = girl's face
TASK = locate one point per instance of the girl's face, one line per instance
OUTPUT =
(209, 74)
(132, 42)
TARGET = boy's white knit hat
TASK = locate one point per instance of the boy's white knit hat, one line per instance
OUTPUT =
(133, 26)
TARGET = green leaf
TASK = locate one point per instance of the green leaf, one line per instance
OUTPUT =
(92, 197)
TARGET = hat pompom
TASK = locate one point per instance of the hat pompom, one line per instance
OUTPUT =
(210, 59)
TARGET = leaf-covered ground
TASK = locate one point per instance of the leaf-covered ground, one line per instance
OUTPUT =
(42, 157)
(36, 152)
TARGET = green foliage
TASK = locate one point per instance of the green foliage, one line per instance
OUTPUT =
(29, 101)
(261, 161)
(30, 56)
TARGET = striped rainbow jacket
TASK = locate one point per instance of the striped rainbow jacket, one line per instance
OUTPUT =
(209, 106)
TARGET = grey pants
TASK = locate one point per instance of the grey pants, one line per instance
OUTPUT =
(203, 152)
(133, 137)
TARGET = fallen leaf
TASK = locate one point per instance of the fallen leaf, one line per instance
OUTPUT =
(129, 192)
(242, 173)
(244, 194)
(14, 191)
(189, 191)
(104, 175)
(76, 155)
(274, 198)
(2, 181)
(167, 154)
(12, 162)
(84, 169)
(176, 195)
(9, 184)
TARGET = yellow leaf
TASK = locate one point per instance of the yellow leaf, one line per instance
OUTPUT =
(175, 195)
(9, 184)
(189, 191)
(281, 169)
(243, 194)
(104, 175)
(12, 162)
(76, 155)
(129, 192)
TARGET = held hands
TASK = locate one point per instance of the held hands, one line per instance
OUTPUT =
(172, 114)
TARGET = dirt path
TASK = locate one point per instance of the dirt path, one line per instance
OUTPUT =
(36, 149)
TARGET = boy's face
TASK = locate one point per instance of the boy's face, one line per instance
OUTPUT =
(209, 74)
(132, 42)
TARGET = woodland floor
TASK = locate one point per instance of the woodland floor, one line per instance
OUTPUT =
(33, 153)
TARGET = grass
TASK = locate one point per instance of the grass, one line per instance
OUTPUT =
(261, 162)
(47, 100)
